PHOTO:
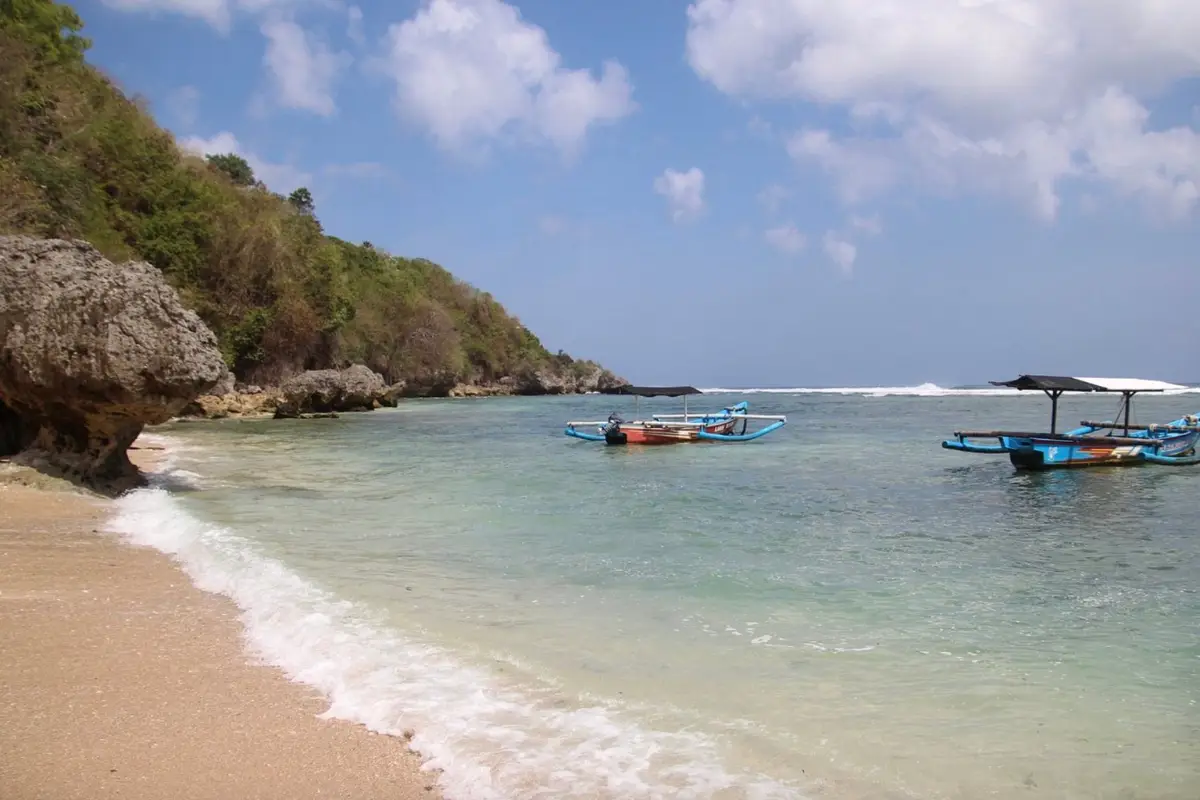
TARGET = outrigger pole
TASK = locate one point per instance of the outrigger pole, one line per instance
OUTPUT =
(669, 428)
(1171, 443)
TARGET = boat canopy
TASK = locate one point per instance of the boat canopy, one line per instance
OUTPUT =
(654, 391)
(1057, 383)
(1133, 384)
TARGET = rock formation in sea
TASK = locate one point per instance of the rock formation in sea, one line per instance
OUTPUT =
(90, 353)
(359, 388)
(328, 390)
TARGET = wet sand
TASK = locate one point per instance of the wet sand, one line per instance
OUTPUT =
(119, 679)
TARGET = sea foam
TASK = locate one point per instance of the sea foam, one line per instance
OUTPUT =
(923, 390)
(488, 739)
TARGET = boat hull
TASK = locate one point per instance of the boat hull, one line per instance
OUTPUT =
(1049, 452)
(651, 433)
(721, 426)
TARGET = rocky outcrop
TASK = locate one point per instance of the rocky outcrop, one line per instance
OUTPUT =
(580, 378)
(438, 385)
(90, 353)
(225, 386)
(479, 390)
(357, 388)
(234, 404)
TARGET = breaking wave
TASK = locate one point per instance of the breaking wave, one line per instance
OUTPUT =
(923, 390)
(491, 740)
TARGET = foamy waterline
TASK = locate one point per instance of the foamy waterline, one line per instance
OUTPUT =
(491, 740)
(923, 390)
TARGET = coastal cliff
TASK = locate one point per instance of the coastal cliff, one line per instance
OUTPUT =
(81, 161)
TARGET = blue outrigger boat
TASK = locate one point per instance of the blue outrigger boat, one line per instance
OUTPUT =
(712, 426)
(1093, 443)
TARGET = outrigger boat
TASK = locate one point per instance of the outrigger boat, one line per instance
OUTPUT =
(1094, 443)
(717, 426)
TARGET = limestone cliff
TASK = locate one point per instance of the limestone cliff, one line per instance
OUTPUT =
(90, 353)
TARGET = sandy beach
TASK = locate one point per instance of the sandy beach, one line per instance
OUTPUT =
(121, 679)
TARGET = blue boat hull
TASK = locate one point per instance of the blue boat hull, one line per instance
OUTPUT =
(720, 426)
(1053, 452)
(1075, 448)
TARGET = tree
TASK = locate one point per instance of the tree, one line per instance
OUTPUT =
(42, 23)
(234, 166)
(302, 200)
(80, 160)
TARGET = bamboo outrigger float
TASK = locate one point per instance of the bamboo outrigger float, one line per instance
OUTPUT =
(718, 426)
(1094, 443)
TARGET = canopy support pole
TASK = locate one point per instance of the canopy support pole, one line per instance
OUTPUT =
(1053, 394)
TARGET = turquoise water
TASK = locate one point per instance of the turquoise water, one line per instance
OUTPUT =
(842, 609)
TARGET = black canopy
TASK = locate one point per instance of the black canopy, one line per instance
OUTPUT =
(1050, 383)
(653, 391)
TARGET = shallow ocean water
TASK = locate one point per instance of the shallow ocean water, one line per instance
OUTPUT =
(841, 609)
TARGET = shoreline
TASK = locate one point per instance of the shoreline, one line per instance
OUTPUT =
(123, 679)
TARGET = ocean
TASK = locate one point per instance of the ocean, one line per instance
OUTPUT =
(841, 609)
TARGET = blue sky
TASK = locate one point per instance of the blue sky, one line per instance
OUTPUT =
(734, 192)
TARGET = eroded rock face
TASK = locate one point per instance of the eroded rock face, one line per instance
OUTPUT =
(90, 353)
(578, 380)
(225, 386)
(234, 404)
(357, 388)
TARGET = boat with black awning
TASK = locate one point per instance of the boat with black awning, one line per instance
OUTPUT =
(1093, 443)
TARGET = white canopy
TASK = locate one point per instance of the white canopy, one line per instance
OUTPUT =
(1132, 384)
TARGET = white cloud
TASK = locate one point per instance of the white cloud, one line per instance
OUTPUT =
(1007, 96)
(472, 70)
(354, 26)
(871, 225)
(841, 251)
(184, 105)
(215, 12)
(303, 69)
(282, 178)
(772, 197)
(684, 192)
(757, 126)
(786, 238)
(218, 13)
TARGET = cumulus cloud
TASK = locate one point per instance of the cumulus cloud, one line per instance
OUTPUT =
(786, 238)
(684, 192)
(282, 178)
(218, 13)
(772, 197)
(354, 26)
(869, 225)
(473, 70)
(303, 69)
(1007, 96)
(215, 12)
(841, 251)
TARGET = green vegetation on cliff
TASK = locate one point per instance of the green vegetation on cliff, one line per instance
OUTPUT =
(78, 159)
